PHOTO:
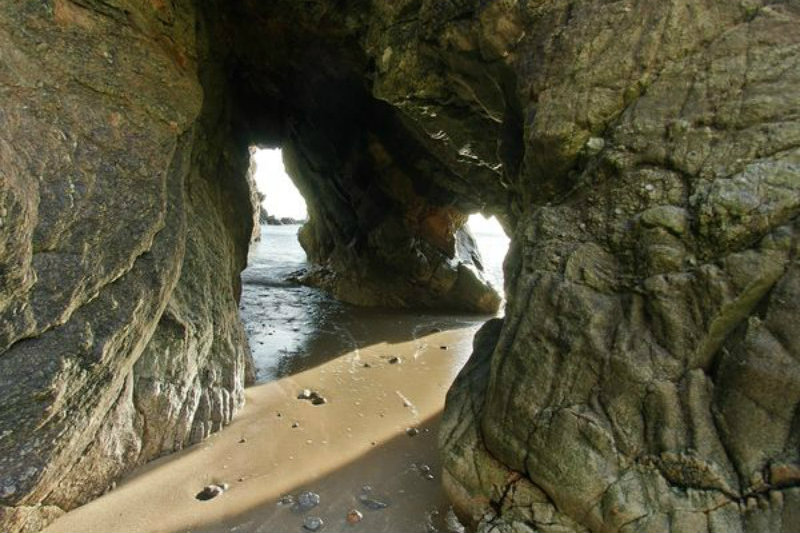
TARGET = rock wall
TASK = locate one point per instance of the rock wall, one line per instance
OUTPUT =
(645, 378)
(379, 231)
(384, 227)
(645, 158)
(125, 225)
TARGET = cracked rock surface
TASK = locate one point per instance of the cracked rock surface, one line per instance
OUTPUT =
(644, 157)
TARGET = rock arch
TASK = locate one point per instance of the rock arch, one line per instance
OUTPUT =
(643, 157)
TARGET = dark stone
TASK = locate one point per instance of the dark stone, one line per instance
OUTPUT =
(318, 400)
(371, 503)
(209, 492)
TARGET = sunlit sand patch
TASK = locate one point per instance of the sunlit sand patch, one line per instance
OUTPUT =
(357, 438)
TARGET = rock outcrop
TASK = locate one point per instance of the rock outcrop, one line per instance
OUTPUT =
(645, 378)
(644, 157)
(125, 221)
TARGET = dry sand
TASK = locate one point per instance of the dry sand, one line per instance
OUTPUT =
(357, 438)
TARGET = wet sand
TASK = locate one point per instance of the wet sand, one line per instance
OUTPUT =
(358, 438)
(302, 339)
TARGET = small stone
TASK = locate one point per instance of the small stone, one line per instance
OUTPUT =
(209, 492)
(304, 394)
(313, 523)
(367, 365)
(224, 486)
(318, 400)
(429, 476)
(306, 500)
(354, 516)
(240, 480)
(394, 360)
(371, 503)
(242, 440)
(295, 425)
(442, 347)
(412, 432)
(425, 469)
(286, 499)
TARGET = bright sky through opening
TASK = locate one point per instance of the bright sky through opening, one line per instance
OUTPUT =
(284, 200)
(282, 197)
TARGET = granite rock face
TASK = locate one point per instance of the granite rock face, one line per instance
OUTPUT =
(124, 228)
(643, 156)
(645, 378)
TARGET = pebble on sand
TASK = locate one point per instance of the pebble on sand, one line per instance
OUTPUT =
(286, 499)
(304, 394)
(313, 523)
(412, 432)
(371, 503)
(316, 399)
(211, 491)
(354, 516)
(305, 501)
(394, 360)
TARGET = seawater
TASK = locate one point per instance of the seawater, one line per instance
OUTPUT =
(292, 328)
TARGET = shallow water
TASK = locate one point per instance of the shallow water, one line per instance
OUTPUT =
(292, 328)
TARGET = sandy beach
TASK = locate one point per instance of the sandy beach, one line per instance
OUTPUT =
(384, 375)
(358, 438)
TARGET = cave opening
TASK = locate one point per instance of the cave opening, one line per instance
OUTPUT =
(642, 155)
(291, 326)
(360, 386)
(367, 381)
